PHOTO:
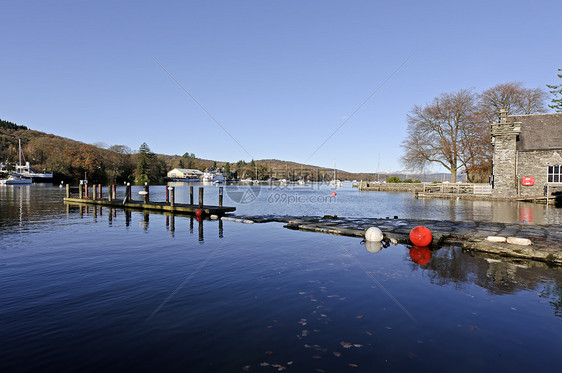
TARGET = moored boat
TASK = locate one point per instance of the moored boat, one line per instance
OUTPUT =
(16, 180)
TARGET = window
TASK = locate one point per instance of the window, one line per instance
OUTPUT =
(554, 174)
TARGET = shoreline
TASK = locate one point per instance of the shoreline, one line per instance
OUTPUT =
(546, 239)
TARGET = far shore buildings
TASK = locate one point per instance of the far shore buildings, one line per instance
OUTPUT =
(184, 173)
(527, 158)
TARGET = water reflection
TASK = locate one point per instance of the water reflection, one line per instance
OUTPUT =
(420, 254)
(41, 203)
(96, 212)
(453, 266)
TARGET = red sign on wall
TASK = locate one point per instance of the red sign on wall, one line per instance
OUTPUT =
(528, 181)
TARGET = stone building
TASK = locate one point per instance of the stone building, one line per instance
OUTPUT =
(527, 158)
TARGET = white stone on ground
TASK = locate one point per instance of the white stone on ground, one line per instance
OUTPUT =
(495, 239)
(519, 241)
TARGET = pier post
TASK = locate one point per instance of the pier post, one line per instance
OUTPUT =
(67, 190)
(146, 198)
(109, 194)
(80, 191)
(220, 196)
(201, 197)
(86, 190)
(99, 192)
(167, 194)
(191, 194)
(94, 194)
(128, 192)
(114, 191)
(172, 196)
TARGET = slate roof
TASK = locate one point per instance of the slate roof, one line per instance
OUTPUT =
(539, 131)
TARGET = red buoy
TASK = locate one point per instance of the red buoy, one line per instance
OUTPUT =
(198, 212)
(420, 255)
(420, 236)
(333, 194)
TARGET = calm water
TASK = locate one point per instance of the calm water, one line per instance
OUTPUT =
(110, 290)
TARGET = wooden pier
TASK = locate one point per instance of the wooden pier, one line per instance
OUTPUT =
(96, 198)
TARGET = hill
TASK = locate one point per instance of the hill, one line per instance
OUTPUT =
(72, 160)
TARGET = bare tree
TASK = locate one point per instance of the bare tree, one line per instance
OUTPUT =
(512, 97)
(441, 132)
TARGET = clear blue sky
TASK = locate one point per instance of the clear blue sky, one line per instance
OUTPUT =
(279, 76)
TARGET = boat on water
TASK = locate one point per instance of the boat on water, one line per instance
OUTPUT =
(25, 171)
(24, 174)
(215, 177)
(335, 182)
(15, 179)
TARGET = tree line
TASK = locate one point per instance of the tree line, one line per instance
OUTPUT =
(453, 130)
(71, 161)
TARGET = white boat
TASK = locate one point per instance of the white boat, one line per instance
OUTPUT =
(213, 177)
(335, 183)
(24, 174)
(16, 180)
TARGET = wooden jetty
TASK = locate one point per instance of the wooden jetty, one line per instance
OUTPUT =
(96, 198)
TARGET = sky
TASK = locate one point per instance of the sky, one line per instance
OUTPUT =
(317, 82)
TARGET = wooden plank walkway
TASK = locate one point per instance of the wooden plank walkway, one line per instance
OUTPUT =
(155, 206)
(96, 198)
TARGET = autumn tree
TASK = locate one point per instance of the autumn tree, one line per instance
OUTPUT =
(83, 161)
(556, 91)
(119, 163)
(440, 131)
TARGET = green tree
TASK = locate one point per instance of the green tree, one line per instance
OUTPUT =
(215, 165)
(227, 170)
(181, 164)
(144, 159)
(189, 160)
(556, 90)
(393, 179)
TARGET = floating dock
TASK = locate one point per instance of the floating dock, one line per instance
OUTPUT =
(96, 198)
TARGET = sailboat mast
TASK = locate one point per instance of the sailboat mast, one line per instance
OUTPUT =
(19, 152)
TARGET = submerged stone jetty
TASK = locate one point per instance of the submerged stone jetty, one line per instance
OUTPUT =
(546, 240)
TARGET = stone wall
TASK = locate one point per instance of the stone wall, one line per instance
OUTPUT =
(392, 187)
(505, 181)
(535, 164)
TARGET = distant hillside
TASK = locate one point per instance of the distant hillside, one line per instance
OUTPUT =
(72, 160)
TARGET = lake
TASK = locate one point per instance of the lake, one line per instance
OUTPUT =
(101, 289)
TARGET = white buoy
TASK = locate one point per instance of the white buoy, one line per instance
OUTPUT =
(373, 234)
(214, 217)
(373, 246)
